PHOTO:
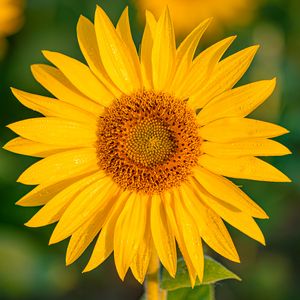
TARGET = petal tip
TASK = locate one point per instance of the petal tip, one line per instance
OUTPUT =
(52, 241)
(6, 146)
(13, 89)
(48, 54)
(237, 260)
(274, 80)
(20, 179)
(254, 49)
(31, 224)
(55, 238)
(87, 268)
(18, 202)
(69, 260)
(81, 19)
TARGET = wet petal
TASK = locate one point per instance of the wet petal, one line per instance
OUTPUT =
(26, 147)
(129, 232)
(140, 262)
(55, 208)
(105, 242)
(60, 87)
(226, 74)
(238, 102)
(146, 50)
(115, 54)
(89, 47)
(163, 236)
(81, 76)
(227, 191)
(56, 131)
(191, 236)
(185, 54)
(247, 167)
(54, 108)
(61, 166)
(164, 50)
(235, 129)
(202, 69)
(168, 200)
(123, 29)
(237, 219)
(92, 200)
(252, 147)
(210, 225)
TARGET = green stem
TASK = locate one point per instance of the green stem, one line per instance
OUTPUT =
(153, 291)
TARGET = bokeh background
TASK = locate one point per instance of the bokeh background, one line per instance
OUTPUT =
(30, 269)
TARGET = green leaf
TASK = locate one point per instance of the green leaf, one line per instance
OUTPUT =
(203, 292)
(213, 272)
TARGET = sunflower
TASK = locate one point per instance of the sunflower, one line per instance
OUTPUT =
(135, 150)
(11, 19)
(186, 14)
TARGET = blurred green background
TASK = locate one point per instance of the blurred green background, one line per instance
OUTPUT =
(30, 269)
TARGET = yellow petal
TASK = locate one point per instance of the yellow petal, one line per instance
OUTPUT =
(123, 29)
(210, 225)
(228, 192)
(227, 73)
(237, 219)
(81, 77)
(60, 87)
(82, 238)
(185, 53)
(115, 54)
(43, 193)
(88, 44)
(31, 148)
(105, 242)
(146, 50)
(140, 262)
(253, 147)
(163, 52)
(54, 209)
(54, 108)
(247, 167)
(163, 236)
(129, 232)
(191, 236)
(61, 166)
(168, 201)
(94, 199)
(238, 102)
(189, 45)
(84, 235)
(202, 68)
(235, 129)
(56, 131)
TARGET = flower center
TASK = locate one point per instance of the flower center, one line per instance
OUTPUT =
(148, 142)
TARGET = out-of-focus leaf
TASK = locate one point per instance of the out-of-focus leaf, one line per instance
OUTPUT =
(213, 272)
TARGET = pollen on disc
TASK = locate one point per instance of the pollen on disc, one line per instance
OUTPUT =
(148, 142)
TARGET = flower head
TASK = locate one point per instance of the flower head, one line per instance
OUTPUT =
(186, 14)
(128, 158)
(11, 18)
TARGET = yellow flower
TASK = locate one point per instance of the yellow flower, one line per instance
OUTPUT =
(127, 159)
(186, 14)
(11, 18)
